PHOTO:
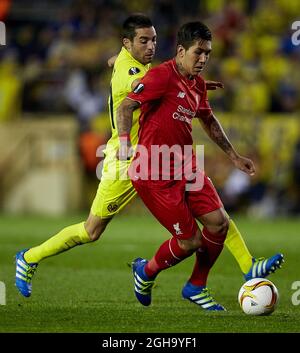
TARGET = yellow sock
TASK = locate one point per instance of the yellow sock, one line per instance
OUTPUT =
(66, 239)
(236, 245)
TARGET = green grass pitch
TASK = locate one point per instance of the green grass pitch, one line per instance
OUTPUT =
(90, 288)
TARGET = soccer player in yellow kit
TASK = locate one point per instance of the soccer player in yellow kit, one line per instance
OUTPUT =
(115, 190)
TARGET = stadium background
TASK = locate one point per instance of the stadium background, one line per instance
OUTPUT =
(54, 83)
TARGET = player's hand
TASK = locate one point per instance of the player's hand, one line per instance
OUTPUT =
(125, 151)
(213, 85)
(111, 61)
(244, 164)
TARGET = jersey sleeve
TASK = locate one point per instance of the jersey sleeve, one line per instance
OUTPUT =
(127, 73)
(132, 77)
(204, 109)
(152, 87)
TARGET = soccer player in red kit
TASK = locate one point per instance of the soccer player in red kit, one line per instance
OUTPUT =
(170, 96)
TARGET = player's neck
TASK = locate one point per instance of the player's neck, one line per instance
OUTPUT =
(181, 70)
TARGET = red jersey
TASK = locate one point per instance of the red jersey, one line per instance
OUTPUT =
(169, 101)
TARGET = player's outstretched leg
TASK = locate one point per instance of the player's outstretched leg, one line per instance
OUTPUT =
(24, 273)
(66, 239)
(262, 267)
(142, 283)
(200, 295)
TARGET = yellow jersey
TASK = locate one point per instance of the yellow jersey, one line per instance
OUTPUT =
(115, 189)
(126, 70)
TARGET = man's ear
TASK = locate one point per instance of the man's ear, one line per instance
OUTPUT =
(180, 51)
(126, 43)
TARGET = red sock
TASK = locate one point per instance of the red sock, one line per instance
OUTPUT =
(169, 254)
(206, 256)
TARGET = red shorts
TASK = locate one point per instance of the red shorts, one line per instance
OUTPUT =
(175, 208)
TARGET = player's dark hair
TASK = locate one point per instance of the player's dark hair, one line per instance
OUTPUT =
(191, 32)
(134, 22)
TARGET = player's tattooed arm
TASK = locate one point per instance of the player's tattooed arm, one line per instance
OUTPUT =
(215, 131)
(124, 124)
(125, 114)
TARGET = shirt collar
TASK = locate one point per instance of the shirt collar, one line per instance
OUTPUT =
(189, 83)
(128, 54)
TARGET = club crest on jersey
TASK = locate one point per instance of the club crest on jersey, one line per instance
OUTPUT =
(134, 70)
(177, 228)
(112, 207)
(139, 88)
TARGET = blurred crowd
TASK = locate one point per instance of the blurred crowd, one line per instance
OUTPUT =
(56, 52)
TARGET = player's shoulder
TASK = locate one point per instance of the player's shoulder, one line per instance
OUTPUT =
(125, 62)
(162, 70)
(166, 66)
(200, 80)
(200, 83)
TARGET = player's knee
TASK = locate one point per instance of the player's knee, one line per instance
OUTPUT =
(218, 232)
(96, 228)
(224, 226)
(94, 234)
(192, 244)
(219, 227)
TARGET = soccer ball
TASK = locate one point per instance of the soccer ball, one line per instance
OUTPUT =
(258, 296)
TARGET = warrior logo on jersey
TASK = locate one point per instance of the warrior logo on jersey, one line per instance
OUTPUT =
(134, 70)
(139, 88)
